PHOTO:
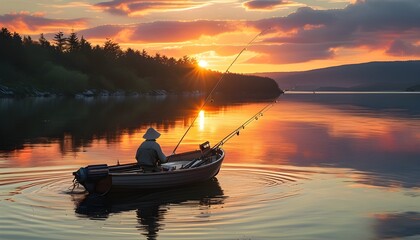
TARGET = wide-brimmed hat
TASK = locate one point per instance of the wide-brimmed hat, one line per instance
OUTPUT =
(151, 133)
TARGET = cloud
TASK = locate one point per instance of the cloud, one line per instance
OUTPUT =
(304, 16)
(27, 23)
(104, 31)
(374, 16)
(291, 53)
(172, 31)
(163, 31)
(264, 4)
(67, 5)
(402, 48)
(390, 26)
(374, 24)
(141, 7)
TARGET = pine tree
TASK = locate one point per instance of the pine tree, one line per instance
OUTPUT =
(73, 43)
(60, 41)
(112, 49)
(43, 41)
(84, 45)
(27, 40)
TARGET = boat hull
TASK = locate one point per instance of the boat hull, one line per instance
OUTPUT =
(126, 181)
(129, 177)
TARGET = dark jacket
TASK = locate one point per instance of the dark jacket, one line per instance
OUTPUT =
(150, 154)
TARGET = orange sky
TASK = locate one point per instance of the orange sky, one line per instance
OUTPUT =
(301, 35)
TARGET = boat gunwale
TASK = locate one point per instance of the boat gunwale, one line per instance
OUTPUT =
(177, 171)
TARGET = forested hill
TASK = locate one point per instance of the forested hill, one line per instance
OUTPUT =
(70, 65)
(373, 76)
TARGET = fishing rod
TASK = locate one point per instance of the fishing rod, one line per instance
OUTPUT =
(246, 123)
(214, 88)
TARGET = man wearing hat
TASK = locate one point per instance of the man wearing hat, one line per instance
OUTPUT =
(149, 154)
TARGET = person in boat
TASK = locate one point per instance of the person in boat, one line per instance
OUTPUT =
(149, 154)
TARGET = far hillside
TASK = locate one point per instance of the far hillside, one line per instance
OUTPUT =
(373, 76)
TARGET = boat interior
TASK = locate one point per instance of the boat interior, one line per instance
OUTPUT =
(190, 159)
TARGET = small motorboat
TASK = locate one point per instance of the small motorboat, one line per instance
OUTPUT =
(180, 170)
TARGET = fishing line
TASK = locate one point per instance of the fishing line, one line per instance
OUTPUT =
(247, 122)
(217, 84)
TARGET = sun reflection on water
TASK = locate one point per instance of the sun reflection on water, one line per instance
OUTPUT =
(201, 120)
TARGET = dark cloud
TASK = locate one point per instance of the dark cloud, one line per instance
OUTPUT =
(298, 20)
(370, 23)
(369, 16)
(383, 15)
(264, 4)
(402, 48)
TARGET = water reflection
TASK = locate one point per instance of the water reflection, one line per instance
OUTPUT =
(310, 161)
(396, 104)
(76, 123)
(397, 225)
(376, 135)
(382, 143)
(151, 207)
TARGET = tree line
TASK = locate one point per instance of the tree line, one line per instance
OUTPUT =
(70, 65)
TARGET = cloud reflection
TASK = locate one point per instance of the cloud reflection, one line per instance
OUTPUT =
(397, 225)
(383, 147)
(379, 143)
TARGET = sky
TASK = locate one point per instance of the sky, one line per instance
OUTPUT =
(290, 35)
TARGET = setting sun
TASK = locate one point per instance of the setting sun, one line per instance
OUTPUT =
(203, 63)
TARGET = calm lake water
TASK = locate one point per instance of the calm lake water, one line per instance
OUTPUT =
(315, 166)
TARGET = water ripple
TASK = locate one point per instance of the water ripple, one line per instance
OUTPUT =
(40, 199)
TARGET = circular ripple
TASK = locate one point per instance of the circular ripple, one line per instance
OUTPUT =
(41, 200)
(255, 185)
(42, 187)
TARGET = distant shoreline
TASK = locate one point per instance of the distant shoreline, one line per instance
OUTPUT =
(9, 93)
(370, 77)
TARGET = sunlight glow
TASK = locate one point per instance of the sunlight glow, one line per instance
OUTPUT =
(201, 120)
(203, 63)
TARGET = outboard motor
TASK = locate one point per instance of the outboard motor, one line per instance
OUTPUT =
(90, 175)
(205, 148)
